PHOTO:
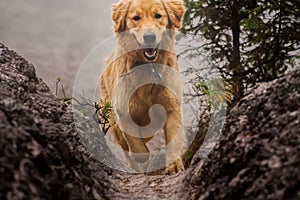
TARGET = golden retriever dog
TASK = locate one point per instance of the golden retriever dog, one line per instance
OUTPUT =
(145, 31)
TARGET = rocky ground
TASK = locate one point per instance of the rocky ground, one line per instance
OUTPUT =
(41, 155)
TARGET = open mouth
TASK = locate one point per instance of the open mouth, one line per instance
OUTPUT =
(149, 53)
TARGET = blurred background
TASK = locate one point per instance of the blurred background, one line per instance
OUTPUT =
(55, 36)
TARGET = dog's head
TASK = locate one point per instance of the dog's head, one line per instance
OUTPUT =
(146, 22)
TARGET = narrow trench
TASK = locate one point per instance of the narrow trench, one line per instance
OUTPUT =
(158, 186)
(140, 186)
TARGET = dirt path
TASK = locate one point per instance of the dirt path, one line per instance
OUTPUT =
(149, 187)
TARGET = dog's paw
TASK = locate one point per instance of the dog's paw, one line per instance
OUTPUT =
(174, 167)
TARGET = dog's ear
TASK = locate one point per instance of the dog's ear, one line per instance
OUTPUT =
(175, 10)
(119, 15)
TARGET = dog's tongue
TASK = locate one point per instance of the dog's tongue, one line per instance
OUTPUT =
(149, 50)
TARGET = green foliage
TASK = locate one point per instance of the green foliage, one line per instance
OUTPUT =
(67, 100)
(271, 44)
(250, 41)
(104, 112)
(215, 92)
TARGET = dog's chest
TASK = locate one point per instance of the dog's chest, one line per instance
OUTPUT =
(147, 94)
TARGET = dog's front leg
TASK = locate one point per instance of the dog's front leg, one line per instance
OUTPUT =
(175, 142)
(137, 148)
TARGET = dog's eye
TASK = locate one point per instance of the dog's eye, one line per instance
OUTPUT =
(136, 18)
(157, 16)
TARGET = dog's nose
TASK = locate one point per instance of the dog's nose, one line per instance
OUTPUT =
(149, 37)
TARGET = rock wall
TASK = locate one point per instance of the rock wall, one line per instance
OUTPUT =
(41, 155)
(258, 156)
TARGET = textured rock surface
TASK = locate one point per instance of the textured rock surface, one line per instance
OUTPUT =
(41, 155)
(258, 156)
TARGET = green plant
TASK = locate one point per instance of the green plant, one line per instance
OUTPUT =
(66, 100)
(248, 41)
(103, 115)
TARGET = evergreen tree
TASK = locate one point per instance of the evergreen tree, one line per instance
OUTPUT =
(250, 41)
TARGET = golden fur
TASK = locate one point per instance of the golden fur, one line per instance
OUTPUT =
(137, 18)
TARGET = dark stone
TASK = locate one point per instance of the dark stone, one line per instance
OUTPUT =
(42, 157)
(39, 157)
(258, 155)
